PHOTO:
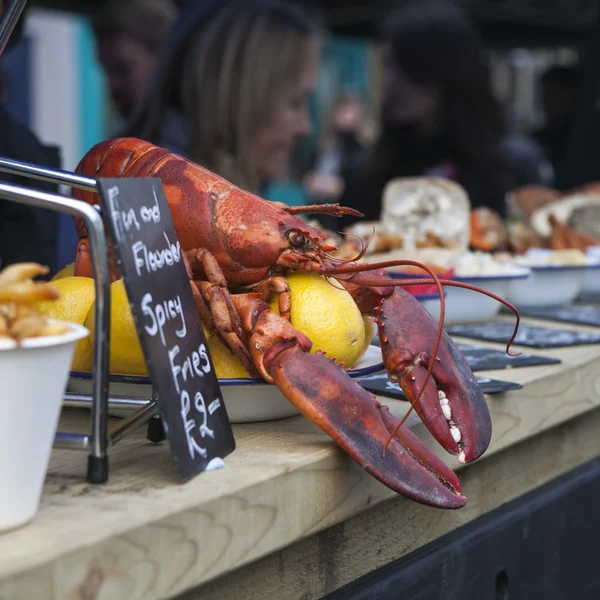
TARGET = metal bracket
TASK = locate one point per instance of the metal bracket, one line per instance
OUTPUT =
(9, 20)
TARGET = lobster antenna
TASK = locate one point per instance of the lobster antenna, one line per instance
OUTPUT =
(363, 250)
(436, 345)
(336, 210)
(383, 282)
(474, 288)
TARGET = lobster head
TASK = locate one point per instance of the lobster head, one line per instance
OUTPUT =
(263, 235)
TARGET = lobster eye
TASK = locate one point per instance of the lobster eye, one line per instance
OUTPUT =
(297, 240)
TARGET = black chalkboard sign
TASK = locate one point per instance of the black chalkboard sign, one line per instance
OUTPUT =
(481, 358)
(536, 337)
(149, 257)
(581, 314)
(380, 384)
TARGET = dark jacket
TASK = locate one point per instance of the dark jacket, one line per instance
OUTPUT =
(26, 233)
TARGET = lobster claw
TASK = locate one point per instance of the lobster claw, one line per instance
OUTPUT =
(325, 394)
(452, 405)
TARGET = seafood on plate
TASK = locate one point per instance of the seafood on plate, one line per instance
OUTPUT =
(546, 229)
(417, 213)
(488, 232)
(524, 201)
(237, 248)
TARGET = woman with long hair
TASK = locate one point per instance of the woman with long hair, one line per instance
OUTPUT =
(439, 116)
(232, 87)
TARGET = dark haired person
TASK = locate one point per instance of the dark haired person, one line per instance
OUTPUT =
(26, 233)
(439, 116)
(129, 35)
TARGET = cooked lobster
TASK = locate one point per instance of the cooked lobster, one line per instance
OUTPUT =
(238, 248)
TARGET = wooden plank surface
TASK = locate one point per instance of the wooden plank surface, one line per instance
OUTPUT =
(326, 561)
(142, 535)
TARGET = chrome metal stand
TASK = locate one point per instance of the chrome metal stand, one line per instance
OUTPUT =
(9, 20)
(99, 439)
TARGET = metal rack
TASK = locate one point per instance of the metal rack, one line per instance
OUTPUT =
(99, 439)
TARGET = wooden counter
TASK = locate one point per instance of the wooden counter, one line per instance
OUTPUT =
(288, 501)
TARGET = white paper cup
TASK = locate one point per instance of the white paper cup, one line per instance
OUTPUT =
(33, 379)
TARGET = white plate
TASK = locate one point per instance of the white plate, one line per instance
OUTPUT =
(549, 285)
(463, 305)
(246, 400)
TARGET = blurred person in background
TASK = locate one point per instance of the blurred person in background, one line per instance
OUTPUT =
(559, 100)
(439, 116)
(27, 234)
(340, 150)
(232, 88)
(3, 84)
(129, 35)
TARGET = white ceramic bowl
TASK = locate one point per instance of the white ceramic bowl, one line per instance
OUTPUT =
(431, 302)
(468, 306)
(246, 400)
(33, 378)
(549, 285)
(591, 279)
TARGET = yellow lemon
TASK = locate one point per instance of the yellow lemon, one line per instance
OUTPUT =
(126, 355)
(65, 272)
(328, 316)
(227, 365)
(77, 295)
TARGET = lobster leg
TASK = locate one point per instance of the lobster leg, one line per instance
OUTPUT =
(83, 262)
(215, 306)
(219, 301)
(451, 404)
(324, 393)
(279, 286)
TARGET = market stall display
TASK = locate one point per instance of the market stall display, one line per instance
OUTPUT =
(469, 262)
(234, 241)
(546, 253)
(286, 499)
(270, 318)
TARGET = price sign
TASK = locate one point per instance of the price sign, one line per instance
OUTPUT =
(150, 260)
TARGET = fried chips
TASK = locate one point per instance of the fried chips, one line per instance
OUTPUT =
(19, 293)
